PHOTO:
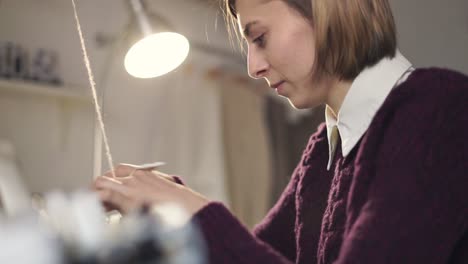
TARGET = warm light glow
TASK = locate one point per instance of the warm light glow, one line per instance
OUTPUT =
(156, 55)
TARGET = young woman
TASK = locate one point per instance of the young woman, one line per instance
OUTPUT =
(385, 180)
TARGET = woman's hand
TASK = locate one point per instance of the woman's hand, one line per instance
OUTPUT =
(133, 188)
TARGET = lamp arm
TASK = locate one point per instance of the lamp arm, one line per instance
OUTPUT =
(141, 17)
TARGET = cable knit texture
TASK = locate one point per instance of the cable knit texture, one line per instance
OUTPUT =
(401, 195)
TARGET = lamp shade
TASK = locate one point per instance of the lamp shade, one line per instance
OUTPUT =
(156, 54)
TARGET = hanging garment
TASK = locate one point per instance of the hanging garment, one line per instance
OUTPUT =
(188, 133)
(247, 151)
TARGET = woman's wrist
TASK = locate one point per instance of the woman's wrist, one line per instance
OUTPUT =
(195, 203)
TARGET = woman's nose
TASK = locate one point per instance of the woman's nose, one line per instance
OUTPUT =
(257, 64)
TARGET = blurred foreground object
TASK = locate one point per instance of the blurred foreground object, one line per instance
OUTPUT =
(73, 229)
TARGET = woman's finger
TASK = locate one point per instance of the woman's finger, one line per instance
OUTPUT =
(104, 182)
(121, 170)
(98, 182)
(164, 176)
(113, 200)
(151, 179)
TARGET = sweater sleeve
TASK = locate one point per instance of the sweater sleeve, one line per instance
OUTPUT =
(277, 228)
(178, 180)
(273, 239)
(229, 242)
(415, 207)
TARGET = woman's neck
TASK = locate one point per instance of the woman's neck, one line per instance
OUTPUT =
(337, 93)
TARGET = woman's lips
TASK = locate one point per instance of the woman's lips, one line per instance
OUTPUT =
(279, 87)
(274, 86)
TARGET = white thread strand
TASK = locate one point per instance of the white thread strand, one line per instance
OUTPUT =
(93, 89)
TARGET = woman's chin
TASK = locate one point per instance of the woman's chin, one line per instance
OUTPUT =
(301, 104)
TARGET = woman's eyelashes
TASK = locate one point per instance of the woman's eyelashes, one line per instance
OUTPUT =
(260, 41)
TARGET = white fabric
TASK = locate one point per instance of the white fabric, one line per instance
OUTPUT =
(13, 193)
(367, 93)
(187, 132)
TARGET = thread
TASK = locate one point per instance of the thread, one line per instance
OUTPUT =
(93, 89)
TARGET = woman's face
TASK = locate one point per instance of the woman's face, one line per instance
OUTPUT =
(281, 49)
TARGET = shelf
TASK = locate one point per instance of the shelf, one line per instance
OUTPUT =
(38, 89)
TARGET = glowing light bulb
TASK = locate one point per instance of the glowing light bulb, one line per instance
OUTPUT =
(156, 55)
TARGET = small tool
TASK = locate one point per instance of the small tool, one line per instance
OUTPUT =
(146, 166)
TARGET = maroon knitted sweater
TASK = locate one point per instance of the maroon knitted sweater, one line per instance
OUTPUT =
(400, 196)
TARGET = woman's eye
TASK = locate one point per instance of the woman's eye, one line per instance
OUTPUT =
(260, 40)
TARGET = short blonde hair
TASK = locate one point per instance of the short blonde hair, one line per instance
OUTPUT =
(350, 35)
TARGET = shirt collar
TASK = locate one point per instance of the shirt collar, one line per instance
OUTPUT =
(367, 93)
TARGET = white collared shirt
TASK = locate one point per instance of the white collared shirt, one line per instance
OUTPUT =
(367, 93)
